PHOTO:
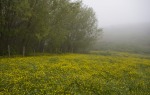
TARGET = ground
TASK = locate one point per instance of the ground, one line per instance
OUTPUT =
(97, 73)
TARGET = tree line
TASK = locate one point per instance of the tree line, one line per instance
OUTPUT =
(53, 26)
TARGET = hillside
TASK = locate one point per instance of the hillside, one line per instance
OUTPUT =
(131, 38)
(98, 73)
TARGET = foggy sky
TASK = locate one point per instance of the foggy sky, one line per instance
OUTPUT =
(120, 12)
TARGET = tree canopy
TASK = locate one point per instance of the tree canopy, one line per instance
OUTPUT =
(53, 26)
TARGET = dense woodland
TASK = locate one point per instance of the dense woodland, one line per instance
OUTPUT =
(51, 26)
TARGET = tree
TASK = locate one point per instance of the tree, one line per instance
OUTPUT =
(45, 25)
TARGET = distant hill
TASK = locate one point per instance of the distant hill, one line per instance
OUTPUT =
(133, 37)
(127, 33)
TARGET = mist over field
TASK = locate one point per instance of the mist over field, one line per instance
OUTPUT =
(127, 33)
(125, 24)
(135, 38)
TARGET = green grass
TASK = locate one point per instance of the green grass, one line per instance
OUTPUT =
(97, 73)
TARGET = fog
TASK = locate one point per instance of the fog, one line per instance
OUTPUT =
(125, 23)
(116, 12)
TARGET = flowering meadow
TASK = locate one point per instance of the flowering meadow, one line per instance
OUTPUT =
(97, 73)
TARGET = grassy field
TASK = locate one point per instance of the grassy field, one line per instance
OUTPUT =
(97, 73)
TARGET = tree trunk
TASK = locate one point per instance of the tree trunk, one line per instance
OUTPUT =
(56, 50)
(43, 49)
(23, 50)
(34, 52)
(72, 50)
(61, 51)
(8, 50)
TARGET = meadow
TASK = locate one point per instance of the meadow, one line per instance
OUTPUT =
(96, 73)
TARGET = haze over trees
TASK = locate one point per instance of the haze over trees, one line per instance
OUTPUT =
(28, 26)
(126, 25)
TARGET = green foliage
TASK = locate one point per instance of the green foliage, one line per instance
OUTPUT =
(46, 25)
(98, 73)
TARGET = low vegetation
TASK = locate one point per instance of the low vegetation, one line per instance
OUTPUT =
(97, 73)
